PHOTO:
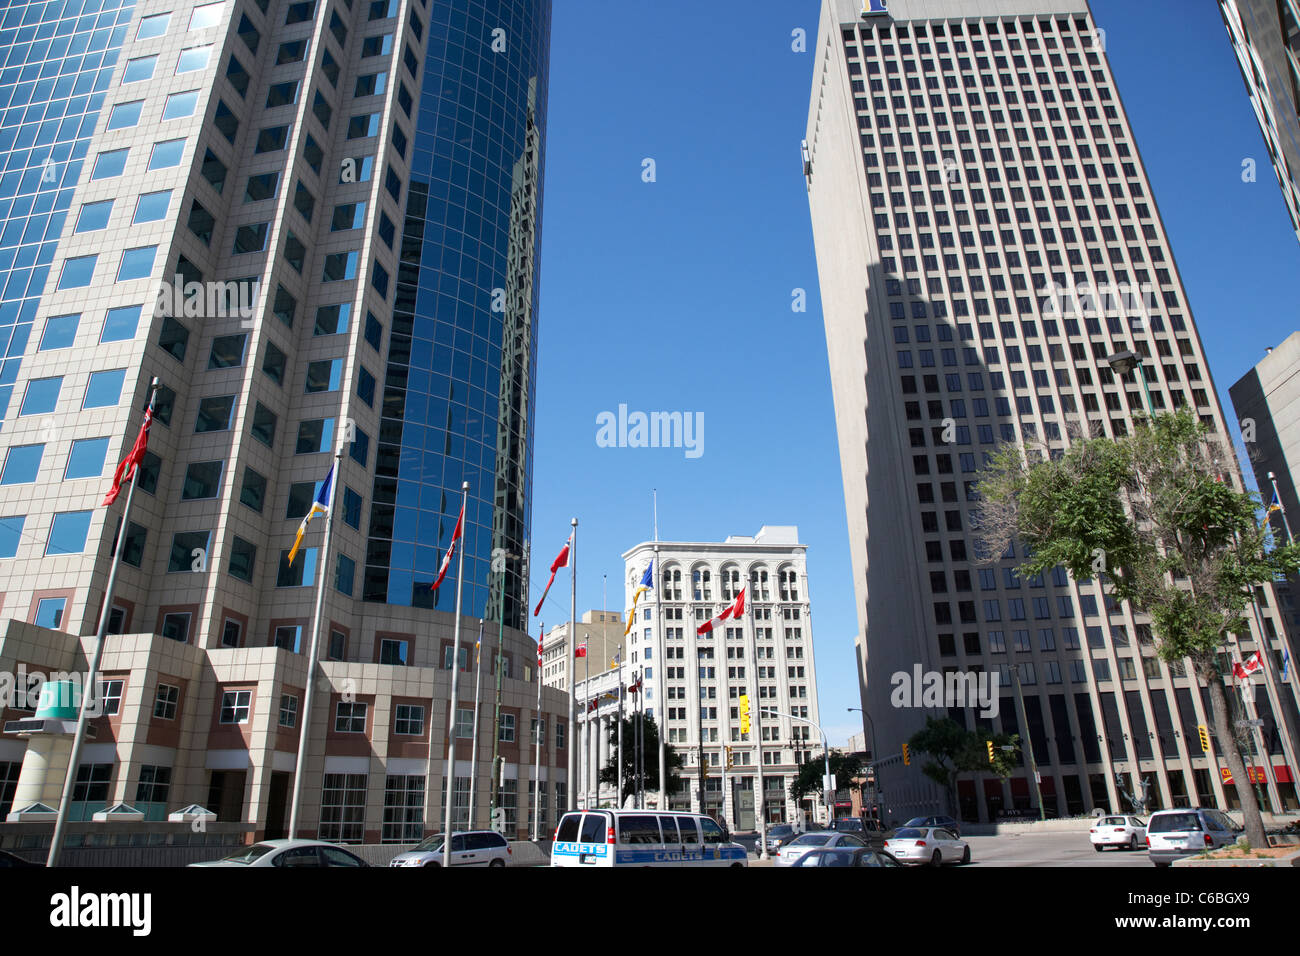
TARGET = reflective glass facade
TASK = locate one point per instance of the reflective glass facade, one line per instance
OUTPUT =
(56, 61)
(458, 391)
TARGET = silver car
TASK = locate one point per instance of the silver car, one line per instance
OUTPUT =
(932, 845)
(826, 839)
(471, 848)
(1173, 834)
(289, 853)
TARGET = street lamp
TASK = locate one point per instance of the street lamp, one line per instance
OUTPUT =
(875, 755)
(826, 749)
(1126, 361)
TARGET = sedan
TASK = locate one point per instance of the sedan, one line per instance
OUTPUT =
(932, 845)
(1121, 831)
(947, 823)
(309, 853)
(845, 856)
(796, 848)
(783, 833)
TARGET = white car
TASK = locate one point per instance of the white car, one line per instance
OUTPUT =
(284, 853)
(1120, 831)
(932, 845)
(471, 848)
(826, 839)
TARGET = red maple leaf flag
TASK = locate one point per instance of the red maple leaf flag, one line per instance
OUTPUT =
(126, 468)
(581, 651)
(1243, 669)
(561, 561)
(540, 637)
(732, 613)
(451, 548)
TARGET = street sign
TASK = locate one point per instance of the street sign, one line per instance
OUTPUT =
(1250, 723)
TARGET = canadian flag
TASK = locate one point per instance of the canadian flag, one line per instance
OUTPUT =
(581, 650)
(1243, 669)
(540, 637)
(561, 561)
(451, 548)
(731, 613)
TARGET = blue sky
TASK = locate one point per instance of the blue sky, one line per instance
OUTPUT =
(675, 295)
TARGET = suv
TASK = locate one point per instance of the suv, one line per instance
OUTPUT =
(471, 848)
(1173, 834)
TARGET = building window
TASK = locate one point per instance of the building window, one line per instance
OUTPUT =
(350, 717)
(506, 731)
(403, 808)
(288, 637)
(392, 651)
(176, 626)
(288, 711)
(166, 701)
(231, 632)
(235, 705)
(92, 782)
(343, 808)
(110, 694)
(409, 719)
(155, 782)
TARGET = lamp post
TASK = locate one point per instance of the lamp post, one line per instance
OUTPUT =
(826, 750)
(1124, 362)
(874, 753)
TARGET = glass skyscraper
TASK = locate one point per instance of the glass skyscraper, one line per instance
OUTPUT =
(317, 224)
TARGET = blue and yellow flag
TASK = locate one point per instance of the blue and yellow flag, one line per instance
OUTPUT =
(320, 506)
(647, 584)
(1274, 505)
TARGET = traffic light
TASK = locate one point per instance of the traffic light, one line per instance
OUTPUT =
(744, 713)
(730, 765)
(1204, 734)
(907, 756)
(990, 746)
(704, 765)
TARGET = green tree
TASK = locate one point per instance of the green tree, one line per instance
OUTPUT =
(954, 750)
(1156, 517)
(650, 762)
(809, 781)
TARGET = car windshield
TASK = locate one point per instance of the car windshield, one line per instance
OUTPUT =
(811, 839)
(249, 854)
(908, 833)
(780, 831)
(849, 824)
(915, 822)
(430, 843)
(1173, 822)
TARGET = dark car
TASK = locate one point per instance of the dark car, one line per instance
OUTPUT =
(848, 825)
(846, 856)
(783, 833)
(946, 823)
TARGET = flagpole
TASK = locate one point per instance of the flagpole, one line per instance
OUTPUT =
(90, 691)
(473, 758)
(756, 711)
(586, 724)
(619, 805)
(572, 769)
(495, 783)
(537, 759)
(1281, 508)
(640, 741)
(449, 768)
(313, 653)
(659, 653)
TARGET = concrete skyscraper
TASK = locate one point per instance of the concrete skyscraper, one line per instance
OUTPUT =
(986, 238)
(1266, 38)
(315, 223)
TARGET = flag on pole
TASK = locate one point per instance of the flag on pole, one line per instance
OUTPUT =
(635, 686)
(540, 638)
(647, 583)
(126, 468)
(591, 707)
(1286, 662)
(733, 612)
(581, 650)
(561, 561)
(320, 506)
(451, 549)
(1243, 669)
(1274, 505)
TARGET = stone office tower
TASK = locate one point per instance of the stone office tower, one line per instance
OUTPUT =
(315, 223)
(986, 238)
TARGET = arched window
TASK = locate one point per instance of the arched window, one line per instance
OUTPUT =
(789, 584)
(702, 584)
(730, 582)
(758, 585)
(672, 584)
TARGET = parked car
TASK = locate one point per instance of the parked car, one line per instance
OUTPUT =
(848, 825)
(845, 856)
(470, 848)
(1119, 831)
(284, 853)
(781, 834)
(948, 823)
(827, 839)
(1173, 834)
(932, 845)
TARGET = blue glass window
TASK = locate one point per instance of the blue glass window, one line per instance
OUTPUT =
(324, 376)
(332, 319)
(214, 414)
(41, 396)
(151, 207)
(302, 573)
(68, 533)
(180, 105)
(11, 532)
(346, 575)
(136, 263)
(338, 266)
(93, 216)
(21, 464)
(60, 332)
(86, 459)
(208, 15)
(124, 115)
(154, 26)
(104, 389)
(167, 154)
(195, 58)
(109, 164)
(315, 435)
(140, 68)
(49, 612)
(120, 324)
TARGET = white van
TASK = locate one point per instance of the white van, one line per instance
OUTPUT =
(643, 838)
